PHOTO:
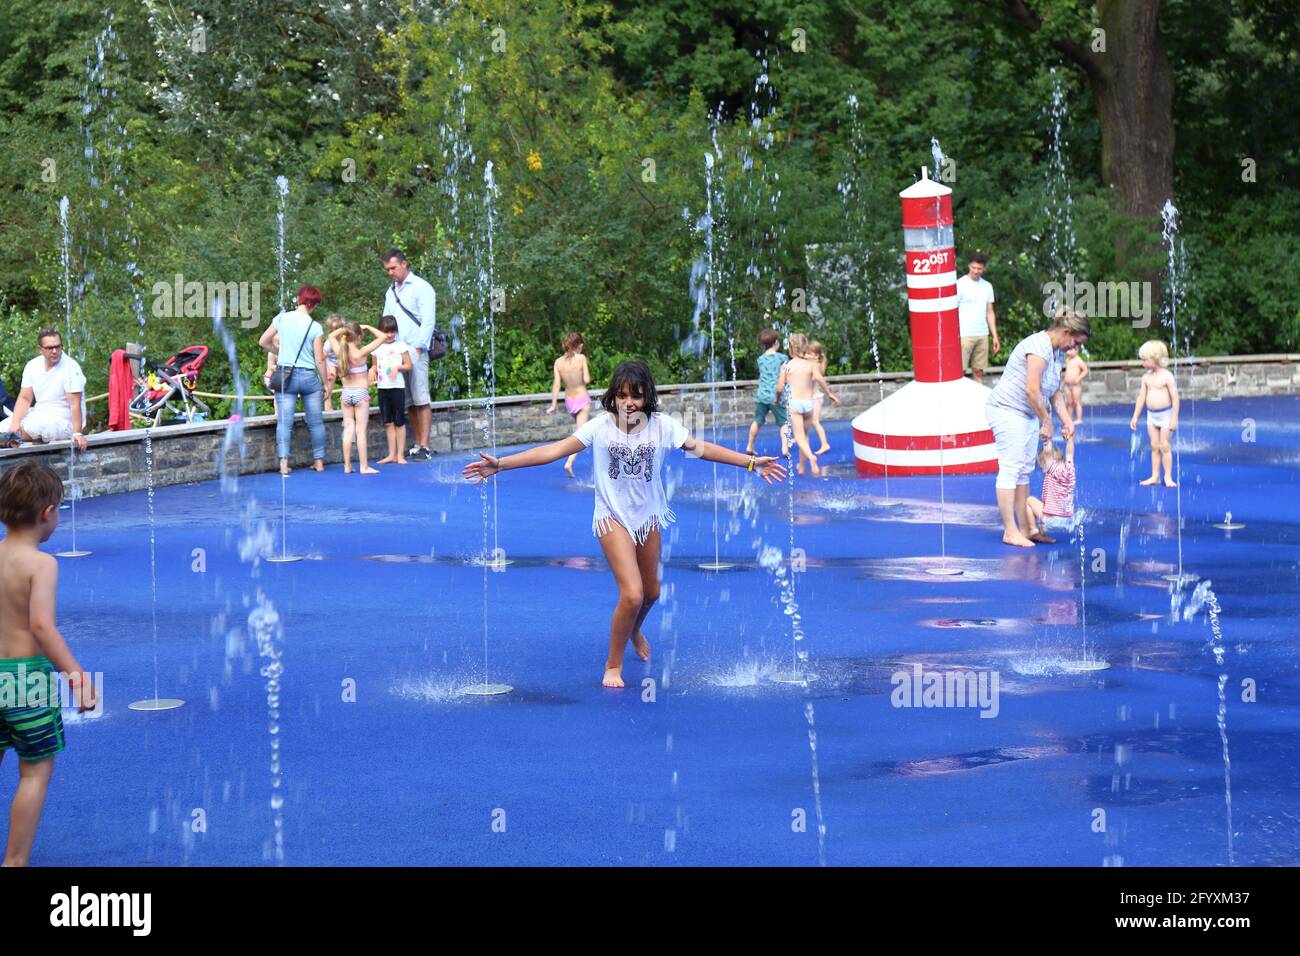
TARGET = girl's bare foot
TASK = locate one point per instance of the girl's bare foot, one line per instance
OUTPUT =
(1170, 483)
(347, 469)
(1150, 481)
(369, 471)
(641, 645)
(568, 470)
(400, 461)
(799, 467)
(824, 449)
(318, 465)
(284, 467)
(1017, 539)
(1042, 538)
(386, 461)
(613, 677)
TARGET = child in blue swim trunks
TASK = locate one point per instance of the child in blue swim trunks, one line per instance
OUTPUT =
(31, 648)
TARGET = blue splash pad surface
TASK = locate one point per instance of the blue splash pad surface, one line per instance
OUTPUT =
(411, 773)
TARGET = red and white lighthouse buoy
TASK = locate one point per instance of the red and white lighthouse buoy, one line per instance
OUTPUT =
(937, 419)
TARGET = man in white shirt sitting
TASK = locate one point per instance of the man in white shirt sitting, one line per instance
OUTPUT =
(975, 315)
(49, 401)
(414, 304)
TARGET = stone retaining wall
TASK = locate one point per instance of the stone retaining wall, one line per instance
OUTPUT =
(115, 461)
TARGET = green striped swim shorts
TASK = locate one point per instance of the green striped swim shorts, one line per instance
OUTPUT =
(30, 721)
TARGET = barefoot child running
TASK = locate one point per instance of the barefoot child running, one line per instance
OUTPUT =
(572, 372)
(800, 374)
(1159, 394)
(629, 446)
(392, 360)
(30, 645)
(354, 370)
(766, 397)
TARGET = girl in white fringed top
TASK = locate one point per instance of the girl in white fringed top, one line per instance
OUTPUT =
(628, 447)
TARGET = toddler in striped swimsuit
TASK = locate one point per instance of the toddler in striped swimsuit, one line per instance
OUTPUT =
(1055, 512)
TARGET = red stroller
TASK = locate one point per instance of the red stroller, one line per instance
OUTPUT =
(170, 386)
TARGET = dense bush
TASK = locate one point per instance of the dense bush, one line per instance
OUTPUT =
(596, 118)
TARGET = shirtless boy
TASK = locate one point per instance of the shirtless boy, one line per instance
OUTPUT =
(1159, 394)
(31, 646)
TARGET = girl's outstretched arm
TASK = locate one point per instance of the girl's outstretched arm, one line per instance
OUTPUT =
(1173, 395)
(537, 455)
(767, 467)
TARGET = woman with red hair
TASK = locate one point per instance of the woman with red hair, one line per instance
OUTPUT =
(300, 369)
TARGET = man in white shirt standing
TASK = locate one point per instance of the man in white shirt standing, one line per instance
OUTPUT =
(414, 304)
(975, 313)
(49, 402)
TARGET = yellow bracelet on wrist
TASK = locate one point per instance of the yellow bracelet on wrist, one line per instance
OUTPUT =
(752, 459)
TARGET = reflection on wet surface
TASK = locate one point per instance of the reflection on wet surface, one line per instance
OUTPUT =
(572, 563)
(950, 622)
(956, 763)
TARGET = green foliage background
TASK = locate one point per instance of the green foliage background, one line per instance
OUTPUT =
(169, 162)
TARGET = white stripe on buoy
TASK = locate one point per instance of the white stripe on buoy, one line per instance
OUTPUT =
(932, 282)
(926, 456)
(947, 304)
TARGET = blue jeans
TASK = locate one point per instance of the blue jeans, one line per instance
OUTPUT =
(303, 384)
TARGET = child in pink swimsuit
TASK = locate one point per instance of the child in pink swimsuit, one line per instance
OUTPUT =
(571, 371)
